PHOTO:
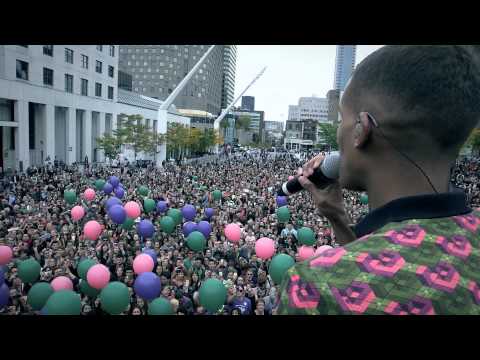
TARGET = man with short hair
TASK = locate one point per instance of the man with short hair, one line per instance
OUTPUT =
(406, 112)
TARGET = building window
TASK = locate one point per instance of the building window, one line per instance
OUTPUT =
(31, 126)
(22, 70)
(98, 89)
(100, 47)
(69, 56)
(48, 50)
(98, 67)
(110, 92)
(112, 50)
(84, 61)
(25, 46)
(69, 83)
(110, 71)
(47, 77)
(84, 86)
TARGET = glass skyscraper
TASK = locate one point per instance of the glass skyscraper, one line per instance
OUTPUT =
(344, 65)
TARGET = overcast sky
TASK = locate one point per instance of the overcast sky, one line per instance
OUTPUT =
(293, 71)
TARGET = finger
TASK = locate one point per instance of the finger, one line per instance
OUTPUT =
(306, 184)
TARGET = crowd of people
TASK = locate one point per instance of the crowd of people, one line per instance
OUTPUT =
(35, 222)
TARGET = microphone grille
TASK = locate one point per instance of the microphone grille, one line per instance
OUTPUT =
(331, 165)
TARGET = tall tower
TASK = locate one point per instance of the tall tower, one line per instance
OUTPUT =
(228, 77)
(344, 65)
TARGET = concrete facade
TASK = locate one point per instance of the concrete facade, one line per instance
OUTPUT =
(309, 108)
(344, 65)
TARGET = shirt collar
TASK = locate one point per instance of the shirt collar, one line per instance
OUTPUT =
(413, 207)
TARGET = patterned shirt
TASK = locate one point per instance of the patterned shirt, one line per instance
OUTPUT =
(416, 266)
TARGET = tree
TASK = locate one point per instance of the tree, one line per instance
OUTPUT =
(473, 140)
(329, 134)
(243, 123)
(110, 145)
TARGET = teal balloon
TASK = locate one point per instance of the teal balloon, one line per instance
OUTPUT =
(160, 306)
(88, 290)
(115, 298)
(70, 196)
(217, 194)
(306, 236)
(99, 184)
(279, 266)
(38, 295)
(83, 267)
(149, 205)
(283, 214)
(364, 199)
(64, 302)
(143, 190)
(212, 295)
(196, 241)
(167, 224)
(176, 215)
(128, 223)
(29, 270)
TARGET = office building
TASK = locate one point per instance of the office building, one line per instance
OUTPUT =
(125, 81)
(56, 100)
(248, 103)
(199, 119)
(229, 71)
(344, 65)
(333, 98)
(234, 134)
(158, 69)
(273, 133)
(309, 108)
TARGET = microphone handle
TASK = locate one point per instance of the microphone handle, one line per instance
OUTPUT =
(293, 186)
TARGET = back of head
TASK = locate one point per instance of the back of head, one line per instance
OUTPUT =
(428, 94)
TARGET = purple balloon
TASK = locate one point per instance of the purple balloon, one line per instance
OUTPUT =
(114, 181)
(147, 285)
(119, 192)
(4, 295)
(189, 212)
(152, 254)
(162, 206)
(189, 227)
(145, 228)
(112, 201)
(107, 188)
(205, 228)
(209, 212)
(281, 201)
(118, 214)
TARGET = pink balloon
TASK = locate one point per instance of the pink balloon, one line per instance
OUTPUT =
(89, 194)
(321, 249)
(98, 276)
(132, 209)
(291, 177)
(77, 213)
(92, 230)
(6, 254)
(61, 283)
(233, 232)
(264, 248)
(305, 252)
(143, 263)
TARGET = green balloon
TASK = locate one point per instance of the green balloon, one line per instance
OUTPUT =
(300, 222)
(83, 267)
(160, 306)
(279, 266)
(283, 214)
(195, 177)
(217, 194)
(128, 223)
(29, 270)
(39, 294)
(167, 224)
(115, 298)
(149, 205)
(88, 290)
(364, 199)
(212, 295)
(196, 241)
(70, 196)
(64, 302)
(99, 184)
(176, 215)
(306, 236)
(143, 190)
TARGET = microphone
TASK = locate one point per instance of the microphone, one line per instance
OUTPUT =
(327, 173)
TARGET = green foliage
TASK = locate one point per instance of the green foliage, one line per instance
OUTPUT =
(110, 146)
(243, 123)
(329, 135)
